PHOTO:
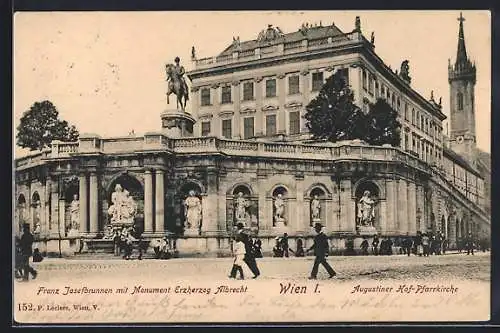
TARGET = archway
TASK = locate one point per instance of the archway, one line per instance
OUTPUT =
(183, 192)
(35, 207)
(21, 212)
(370, 190)
(280, 206)
(135, 191)
(242, 207)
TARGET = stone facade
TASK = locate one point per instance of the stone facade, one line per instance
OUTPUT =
(418, 186)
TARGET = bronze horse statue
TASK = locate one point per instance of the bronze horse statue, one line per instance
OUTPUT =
(177, 86)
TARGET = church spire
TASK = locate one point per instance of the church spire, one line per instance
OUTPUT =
(462, 60)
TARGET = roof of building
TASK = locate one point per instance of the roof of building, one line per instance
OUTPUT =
(460, 161)
(273, 35)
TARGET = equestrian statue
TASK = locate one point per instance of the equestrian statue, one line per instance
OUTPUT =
(177, 83)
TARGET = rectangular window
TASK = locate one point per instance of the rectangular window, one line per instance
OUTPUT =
(370, 83)
(406, 111)
(344, 72)
(248, 129)
(406, 142)
(227, 128)
(317, 81)
(226, 95)
(271, 88)
(388, 96)
(248, 91)
(398, 103)
(382, 92)
(413, 116)
(293, 84)
(205, 128)
(414, 145)
(294, 122)
(364, 79)
(271, 125)
(377, 91)
(205, 96)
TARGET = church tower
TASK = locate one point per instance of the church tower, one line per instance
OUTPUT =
(462, 79)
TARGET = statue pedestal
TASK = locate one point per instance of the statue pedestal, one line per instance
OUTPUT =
(177, 124)
(280, 227)
(315, 220)
(367, 230)
(191, 232)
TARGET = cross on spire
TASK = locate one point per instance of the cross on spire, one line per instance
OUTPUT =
(461, 18)
(461, 51)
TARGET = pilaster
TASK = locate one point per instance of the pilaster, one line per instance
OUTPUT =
(148, 202)
(159, 202)
(83, 191)
(94, 203)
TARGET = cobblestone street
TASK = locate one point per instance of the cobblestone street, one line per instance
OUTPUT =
(354, 268)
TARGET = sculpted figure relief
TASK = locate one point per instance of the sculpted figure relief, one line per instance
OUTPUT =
(315, 208)
(241, 207)
(123, 207)
(192, 211)
(366, 209)
(75, 212)
(279, 205)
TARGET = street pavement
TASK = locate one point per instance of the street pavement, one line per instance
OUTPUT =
(399, 267)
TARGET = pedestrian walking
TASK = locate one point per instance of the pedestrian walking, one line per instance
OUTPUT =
(321, 248)
(469, 244)
(425, 244)
(284, 245)
(239, 257)
(26, 244)
(249, 254)
(408, 243)
(375, 245)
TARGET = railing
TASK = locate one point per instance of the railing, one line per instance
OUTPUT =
(32, 159)
(63, 149)
(279, 49)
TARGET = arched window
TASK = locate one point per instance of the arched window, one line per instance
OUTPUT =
(460, 101)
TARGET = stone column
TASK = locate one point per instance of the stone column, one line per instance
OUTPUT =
(83, 204)
(148, 202)
(46, 211)
(383, 217)
(94, 204)
(391, 212)
(160, 202)
(54, 209)
(355, 83)
(264, 224)
(299, 203)
(402, 221)
(412, 208)
(419, 203)
(209, 204)
(347, 218)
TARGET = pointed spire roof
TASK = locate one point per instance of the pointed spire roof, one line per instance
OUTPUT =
(461, 51)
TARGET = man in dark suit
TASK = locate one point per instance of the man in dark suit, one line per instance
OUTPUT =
(321, 249)
(26, 244)
(249, 255)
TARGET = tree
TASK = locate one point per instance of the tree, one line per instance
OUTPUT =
(383, 127)
(332, 115)
(40, 125)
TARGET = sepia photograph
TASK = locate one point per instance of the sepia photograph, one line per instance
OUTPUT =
(238, 167)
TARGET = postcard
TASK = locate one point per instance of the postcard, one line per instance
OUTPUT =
(251, 167)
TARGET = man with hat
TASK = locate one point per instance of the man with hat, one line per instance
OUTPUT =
(26, 244)
(321, 248)
(249, 255)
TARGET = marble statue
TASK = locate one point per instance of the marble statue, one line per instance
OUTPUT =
(75, 212)
(192, 211)
(366, 209)
(315, 208)
(241, 207)
(279, 205)
(123, 207)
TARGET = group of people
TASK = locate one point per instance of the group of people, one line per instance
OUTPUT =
(244, 252)
(24, 251)
(282, 249)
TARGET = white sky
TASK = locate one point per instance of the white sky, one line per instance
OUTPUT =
(104, 71)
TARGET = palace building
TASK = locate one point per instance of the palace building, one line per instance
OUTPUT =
(246, 144)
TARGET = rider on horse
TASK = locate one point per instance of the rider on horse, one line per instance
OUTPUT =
(177, 83)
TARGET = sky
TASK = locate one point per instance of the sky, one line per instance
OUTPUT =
(104, 71)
